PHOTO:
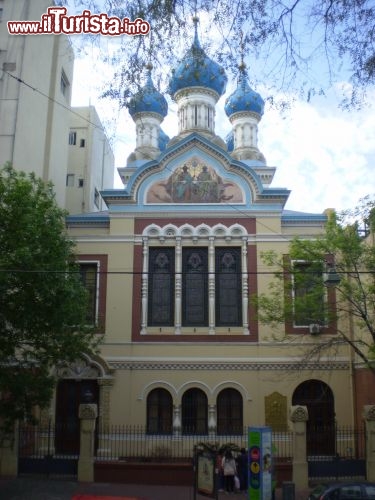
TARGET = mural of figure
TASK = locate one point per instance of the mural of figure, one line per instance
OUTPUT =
(194, 182)
(184, 185)
(205, 184)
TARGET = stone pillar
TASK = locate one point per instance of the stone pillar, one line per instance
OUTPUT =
(9, 454)
(177, 420)
(212, 420)
(87, 415)
(245, 288)
(369, 416)
(299, 416)
(144, 288)
(178, 286)
(211, 286)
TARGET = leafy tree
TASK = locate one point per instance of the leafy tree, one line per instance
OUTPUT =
(42, 300)
(348, 244)
(295, 46)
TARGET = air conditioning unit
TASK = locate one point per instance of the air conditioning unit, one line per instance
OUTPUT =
(314, 328)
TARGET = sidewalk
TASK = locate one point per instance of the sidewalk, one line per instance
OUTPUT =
(59, 489)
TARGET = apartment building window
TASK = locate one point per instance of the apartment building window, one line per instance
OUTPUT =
(70, 180)
(159, 412)
(64, 84)
(97, 198)
(229, 409)
(309, 304)
(72, 138)
(80, 183)
(194, 412)
(82, 143)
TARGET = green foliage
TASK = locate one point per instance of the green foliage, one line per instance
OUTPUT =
(352, 251)
(42, 300)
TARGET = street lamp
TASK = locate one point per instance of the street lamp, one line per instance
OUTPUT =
(331, 278)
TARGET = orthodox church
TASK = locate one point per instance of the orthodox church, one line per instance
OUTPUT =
(171, 267)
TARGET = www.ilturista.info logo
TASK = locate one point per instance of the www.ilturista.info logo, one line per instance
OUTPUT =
(56, 22)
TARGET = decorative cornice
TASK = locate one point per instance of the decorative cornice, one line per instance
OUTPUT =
(208, 366)
(187, 91)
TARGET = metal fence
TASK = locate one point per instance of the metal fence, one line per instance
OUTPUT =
(342, 442)
(133, 443)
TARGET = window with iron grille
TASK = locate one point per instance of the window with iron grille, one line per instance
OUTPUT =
(159, 412)
(194, 280)
(228, 291)
(89, 276)
(229, 412)
(194, 287)
(161, 287)
(194, 412)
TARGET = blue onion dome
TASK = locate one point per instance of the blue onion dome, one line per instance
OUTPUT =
(163, 140)
(244, 98)
(230, 141)
(148, 99)
(197, 70)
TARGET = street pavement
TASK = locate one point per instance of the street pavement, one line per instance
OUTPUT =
(24, 488)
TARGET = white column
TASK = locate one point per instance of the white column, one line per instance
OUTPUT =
(144, 287)
(178, 286)
(212, 420)
(211, 286)
(245, 289)
(177, 420)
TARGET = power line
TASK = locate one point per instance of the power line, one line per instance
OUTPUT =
(282, 271)
(68, 108)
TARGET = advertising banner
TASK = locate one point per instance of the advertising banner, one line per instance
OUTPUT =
(205, 472)
(260, 463)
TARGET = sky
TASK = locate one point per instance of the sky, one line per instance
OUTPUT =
(323, 154)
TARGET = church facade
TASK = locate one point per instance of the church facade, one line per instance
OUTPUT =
(171, 268)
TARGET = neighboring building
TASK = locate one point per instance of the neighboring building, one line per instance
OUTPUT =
(90, 164)
(171, 267)
(39, 131)
(36, 75)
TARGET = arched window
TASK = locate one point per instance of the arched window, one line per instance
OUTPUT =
(159, 412)
(194, 412)
(229, 412)
(317, 396)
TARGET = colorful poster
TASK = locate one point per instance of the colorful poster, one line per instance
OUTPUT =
(260, 463)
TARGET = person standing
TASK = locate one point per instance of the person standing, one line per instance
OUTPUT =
(242, 464)
(229, 470)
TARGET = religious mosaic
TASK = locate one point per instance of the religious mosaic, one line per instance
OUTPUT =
(194, 182)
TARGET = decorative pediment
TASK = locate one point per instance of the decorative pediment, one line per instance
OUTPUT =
(194, 181)
(192, 173)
